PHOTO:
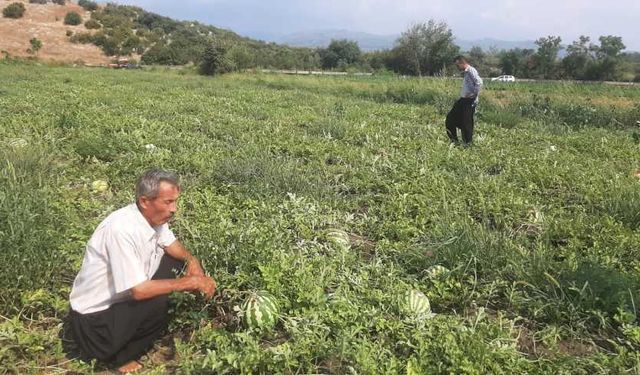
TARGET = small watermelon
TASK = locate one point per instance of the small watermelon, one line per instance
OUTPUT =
(18, 143)
(99, 186)
(417, 303)
(260, 310)
(339, 238)
(437, 270)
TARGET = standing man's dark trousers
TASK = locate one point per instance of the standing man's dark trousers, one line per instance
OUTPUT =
(126, 330)
(461, 117)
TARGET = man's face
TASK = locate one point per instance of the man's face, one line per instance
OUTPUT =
(160, 209)
(461, 65)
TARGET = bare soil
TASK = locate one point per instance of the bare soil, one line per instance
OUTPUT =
(46, 22)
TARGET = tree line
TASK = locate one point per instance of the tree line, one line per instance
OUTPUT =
(424, 49)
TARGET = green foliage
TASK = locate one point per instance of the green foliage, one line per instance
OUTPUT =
(424, 49)
(59, 2)
(92, 24)
(37, 1)
(88, 5)
(214, 61)
(545, 58)
(72, 18)
(36, 45)
(340, 54)
(14, 10)
(337, 195)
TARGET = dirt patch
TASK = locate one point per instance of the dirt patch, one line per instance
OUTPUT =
(46, 22)
(621, 103)
(528, 345)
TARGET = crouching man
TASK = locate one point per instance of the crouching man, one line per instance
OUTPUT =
(119, 297)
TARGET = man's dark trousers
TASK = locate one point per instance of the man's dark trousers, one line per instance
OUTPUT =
(461, 117)
(125, 330)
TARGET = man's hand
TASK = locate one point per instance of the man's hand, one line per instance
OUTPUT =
(204, 284)
(193, 267)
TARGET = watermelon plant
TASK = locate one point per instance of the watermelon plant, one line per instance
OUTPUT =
(342, 197)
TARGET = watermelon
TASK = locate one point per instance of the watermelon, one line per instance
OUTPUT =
(339, 238)
(417, 304)
(99, 186)
(437, 270)
(18, 143)
(260, 310)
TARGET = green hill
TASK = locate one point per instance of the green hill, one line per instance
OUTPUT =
(127, 30)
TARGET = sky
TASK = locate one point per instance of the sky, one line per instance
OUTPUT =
(512, 20)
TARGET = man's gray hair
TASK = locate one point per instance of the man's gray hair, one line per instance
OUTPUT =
(148, 184)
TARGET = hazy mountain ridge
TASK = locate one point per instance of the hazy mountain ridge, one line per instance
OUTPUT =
(371, 42)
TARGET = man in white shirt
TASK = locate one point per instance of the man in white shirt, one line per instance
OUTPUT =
(119, 298)
(461, 115)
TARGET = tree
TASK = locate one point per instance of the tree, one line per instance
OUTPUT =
(424, 49)
(610, 47)
(340, 53)
(72, 18)
(477, 55)
(36, 45)
(608, 59)
(14, 10)
(579, 57)
(214, 61)
(92, 24)
(546, 56)
(88, 5)
(240, 57)
(518, 62)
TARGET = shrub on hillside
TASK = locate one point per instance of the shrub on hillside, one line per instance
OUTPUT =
(59, 2)
(37, 1)
(14, 10)
(72, 18)
(215, 61)
(92, 24)
(88, 5)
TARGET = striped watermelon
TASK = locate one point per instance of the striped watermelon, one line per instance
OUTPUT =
(260, 310)
(417, 304)
(339, 238)
(18, 143)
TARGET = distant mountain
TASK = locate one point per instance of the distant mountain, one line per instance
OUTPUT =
(371, 42)
(322, 38)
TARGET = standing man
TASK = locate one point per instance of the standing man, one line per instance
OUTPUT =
(119, 298)
(461, 115)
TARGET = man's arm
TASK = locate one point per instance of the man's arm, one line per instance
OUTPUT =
(178, 251)
(153, 288)
(194, 280)
(476, 81)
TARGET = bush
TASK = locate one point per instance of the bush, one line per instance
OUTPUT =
(14, 10)
(214, 61)
(92, 24)
(37, 1)
(69, 32)
(59, 2)
(88, 5)
(72, 18)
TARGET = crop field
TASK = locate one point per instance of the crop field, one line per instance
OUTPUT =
(536, 227)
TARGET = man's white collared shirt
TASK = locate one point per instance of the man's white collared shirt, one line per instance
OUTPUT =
(124, 251)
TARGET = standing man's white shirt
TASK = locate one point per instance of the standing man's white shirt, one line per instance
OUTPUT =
(124, 251)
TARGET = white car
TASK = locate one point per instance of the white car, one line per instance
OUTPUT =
(504, 78)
